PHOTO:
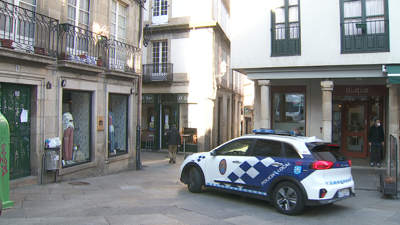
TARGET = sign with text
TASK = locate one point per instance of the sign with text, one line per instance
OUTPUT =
(360, 90)
(186, 98)
(147, 98)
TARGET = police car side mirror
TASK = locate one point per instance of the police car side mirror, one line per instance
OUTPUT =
(213, 153)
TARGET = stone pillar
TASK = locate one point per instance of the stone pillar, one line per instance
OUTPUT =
(265, 104)
(327, 88)
(393, 117)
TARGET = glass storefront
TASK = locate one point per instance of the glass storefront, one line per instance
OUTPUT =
(188, 122)
(289, 111)
(76, 123)
(117, 124)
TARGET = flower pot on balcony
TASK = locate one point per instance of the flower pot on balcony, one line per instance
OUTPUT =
(39, 50)
(7, 43)
(100, 62)
(83, 56)
(63, 56)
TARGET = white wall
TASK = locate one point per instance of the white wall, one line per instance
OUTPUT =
(320, 36)
(181, 54)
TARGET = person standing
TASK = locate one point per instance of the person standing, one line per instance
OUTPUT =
(173, 139)
(297, 132)
(376, 139)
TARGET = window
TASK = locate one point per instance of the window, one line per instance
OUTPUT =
(364, 26)
(18, 23)
(290, 152)
(188, 122)
(118, 21)
(160, 11)
(117, 124)
(267, 148)
(160, 54)
(78, 13)
(288, 109)
(76, 123)
(236, 148)
(285, 28)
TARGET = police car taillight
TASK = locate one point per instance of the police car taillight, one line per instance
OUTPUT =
(321, 165)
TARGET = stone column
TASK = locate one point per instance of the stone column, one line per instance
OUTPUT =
(393, 118)
(327, 88)
(265, 104)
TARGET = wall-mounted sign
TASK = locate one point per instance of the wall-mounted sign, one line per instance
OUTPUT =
(147, 98)
(360, 90)
(186, 98)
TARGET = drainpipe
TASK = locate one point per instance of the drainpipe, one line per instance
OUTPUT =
(139, 95)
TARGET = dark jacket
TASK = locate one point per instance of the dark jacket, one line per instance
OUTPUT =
(376, 135)
(173, 137)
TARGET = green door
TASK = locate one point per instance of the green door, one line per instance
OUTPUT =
(15, 106)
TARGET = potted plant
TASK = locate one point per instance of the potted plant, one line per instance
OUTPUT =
(6, 43)
(39, 50)
(100, 60)
(63, 56)
(82, 56)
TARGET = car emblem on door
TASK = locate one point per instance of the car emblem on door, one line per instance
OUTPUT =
(222, 167)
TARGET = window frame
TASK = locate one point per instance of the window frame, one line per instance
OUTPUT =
(219, 150)
(286, 43)
(364, 39)
(116, 23)
(110, 94)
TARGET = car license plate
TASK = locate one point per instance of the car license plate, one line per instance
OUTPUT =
(343, 193)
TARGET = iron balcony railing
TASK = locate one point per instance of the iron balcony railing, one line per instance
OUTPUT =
(25, 30)
(285, 41)
(369, 36)
(122, 57)
(80, 45)
(158, 72)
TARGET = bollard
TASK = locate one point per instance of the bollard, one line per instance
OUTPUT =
(4, 163)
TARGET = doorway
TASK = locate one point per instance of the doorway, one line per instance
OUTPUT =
(355, 129)
(167, 121)
(16, 107)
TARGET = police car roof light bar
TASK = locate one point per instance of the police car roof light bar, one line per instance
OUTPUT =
(271, 131)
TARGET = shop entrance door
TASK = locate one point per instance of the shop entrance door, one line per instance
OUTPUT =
(167, 121)
(15, 105)
(355, 130)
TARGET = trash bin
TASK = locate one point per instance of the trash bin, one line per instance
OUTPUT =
(52, 158)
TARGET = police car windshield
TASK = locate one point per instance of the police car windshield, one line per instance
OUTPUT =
(326, 151)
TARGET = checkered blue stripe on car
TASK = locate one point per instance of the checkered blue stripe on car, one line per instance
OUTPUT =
(237, 189)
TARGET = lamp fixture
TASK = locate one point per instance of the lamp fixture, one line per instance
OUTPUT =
(63, 82)
(147, 35)
(48, 85)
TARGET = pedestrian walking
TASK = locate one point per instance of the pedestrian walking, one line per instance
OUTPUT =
(376, 139)
(173, 139)
(296, 132)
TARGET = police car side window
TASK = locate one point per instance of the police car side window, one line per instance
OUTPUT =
(236, 148)
(267, 148)
(290, 151)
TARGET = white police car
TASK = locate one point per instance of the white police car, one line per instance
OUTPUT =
(290, 172)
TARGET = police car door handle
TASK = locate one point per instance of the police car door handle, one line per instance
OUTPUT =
(277, 164)
(236, 161)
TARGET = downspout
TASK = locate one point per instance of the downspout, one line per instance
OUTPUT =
(139, 93)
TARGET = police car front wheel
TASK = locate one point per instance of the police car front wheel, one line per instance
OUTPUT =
(287, 198)
(194, 181)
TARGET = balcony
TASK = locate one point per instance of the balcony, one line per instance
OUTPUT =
(158, 73)
(24, 31)
(362, 37)
(78, 45)
(285, 41)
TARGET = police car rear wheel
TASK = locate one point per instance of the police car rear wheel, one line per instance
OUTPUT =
(194, 181)
(288, 199)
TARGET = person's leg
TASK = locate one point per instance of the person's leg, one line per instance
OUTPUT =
(378, 155)
(171, 148)
(174, 153)
(373, 154)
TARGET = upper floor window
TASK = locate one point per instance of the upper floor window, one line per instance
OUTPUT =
(78, 13)
(160, 11)
(118, 21)
(364, 26)
(285, 28)
(17, 23)
(160, 57)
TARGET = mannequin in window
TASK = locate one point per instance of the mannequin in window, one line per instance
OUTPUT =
(68, 140)
(111, 133)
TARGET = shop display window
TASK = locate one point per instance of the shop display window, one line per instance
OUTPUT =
(76, 123)
(188, 122)
(289, 111)
(117, 124)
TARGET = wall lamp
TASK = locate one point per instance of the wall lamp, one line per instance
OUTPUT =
(147, 35)
(63, 82)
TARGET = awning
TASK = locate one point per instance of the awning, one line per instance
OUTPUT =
(393, 73)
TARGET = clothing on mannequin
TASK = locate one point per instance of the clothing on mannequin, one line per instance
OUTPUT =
(68, 140)
(111, 133)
